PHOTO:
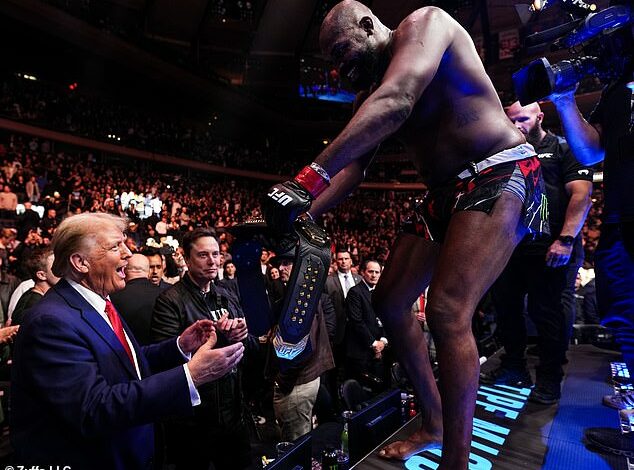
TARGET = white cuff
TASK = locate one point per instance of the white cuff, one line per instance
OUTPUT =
(194, 396)
(178, 345)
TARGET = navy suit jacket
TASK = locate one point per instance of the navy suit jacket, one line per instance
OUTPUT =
(76, 397)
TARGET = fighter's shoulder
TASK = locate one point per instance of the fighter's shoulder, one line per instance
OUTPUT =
(423, 20)
(424, 15)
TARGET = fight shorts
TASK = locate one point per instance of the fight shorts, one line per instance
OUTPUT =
(478, 187)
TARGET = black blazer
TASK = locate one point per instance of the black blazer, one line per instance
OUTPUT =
(335, 291)
(363, 327)
(135, 303)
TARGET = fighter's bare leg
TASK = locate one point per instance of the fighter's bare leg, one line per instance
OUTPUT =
(476, 249)
(405, 277)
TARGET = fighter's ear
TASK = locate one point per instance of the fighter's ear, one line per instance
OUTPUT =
(367, 24)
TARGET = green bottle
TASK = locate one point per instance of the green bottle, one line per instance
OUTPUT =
(347, 415)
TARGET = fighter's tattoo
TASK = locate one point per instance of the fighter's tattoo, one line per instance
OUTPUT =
(467, 117)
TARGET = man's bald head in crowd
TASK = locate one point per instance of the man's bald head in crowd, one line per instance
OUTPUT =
(138, 267)
(528, 119)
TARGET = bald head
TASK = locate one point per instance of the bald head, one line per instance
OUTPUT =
(355, 41)
(138, 267)
(532, 108)
(343, 17)
(528, 119)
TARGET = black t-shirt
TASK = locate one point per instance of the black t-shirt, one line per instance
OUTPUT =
(28, 300)
(614, 114)
(559, 167)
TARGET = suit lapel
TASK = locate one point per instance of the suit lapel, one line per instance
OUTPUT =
(97, 323)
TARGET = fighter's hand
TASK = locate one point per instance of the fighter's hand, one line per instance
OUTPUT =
(558, 254)
(283, 203)
(197, 334)
(209, 364)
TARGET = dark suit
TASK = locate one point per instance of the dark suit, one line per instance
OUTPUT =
(76, 396)
(335, 290)
(362, 330)
(135, 303)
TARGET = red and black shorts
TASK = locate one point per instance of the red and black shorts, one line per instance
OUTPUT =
(479, 192)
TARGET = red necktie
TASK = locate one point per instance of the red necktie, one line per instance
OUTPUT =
(115, 321)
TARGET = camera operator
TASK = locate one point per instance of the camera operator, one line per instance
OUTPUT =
(608, 136)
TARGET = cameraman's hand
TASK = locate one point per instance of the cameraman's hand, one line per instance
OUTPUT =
(283, 203)
(210, 364)
(564, 97)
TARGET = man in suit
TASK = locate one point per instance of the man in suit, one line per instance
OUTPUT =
(135, 301)
(337, 286)
(157, 268)
(85, 393)
(365, 337)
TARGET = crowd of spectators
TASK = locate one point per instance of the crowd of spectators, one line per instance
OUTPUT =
(56, 107)
(70, 111)
(72, 182)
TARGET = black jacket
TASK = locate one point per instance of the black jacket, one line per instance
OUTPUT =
(363, 327)
(135, 303)
(183, 305)
(335, 291)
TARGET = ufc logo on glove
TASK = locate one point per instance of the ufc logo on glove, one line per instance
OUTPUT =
(280, 196)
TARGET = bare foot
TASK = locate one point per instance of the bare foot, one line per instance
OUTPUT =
(419, 441)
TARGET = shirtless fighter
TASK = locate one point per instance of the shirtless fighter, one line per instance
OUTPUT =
(424, 82)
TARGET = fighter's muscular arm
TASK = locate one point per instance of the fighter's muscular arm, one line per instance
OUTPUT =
(584, 138)
(349, 177)
(418, 46)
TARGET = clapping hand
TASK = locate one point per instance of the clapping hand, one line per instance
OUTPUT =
(197, 334)
(234, 329)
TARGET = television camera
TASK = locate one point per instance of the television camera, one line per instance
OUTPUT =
(600, 41)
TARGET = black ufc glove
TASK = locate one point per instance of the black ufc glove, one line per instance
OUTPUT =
(283, 203)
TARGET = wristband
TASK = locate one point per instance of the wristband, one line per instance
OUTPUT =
(566, 240)
(313, 181)
(319, 169)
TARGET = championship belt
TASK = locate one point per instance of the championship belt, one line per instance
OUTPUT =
(305, 286)
(250, 237)
(311, 248)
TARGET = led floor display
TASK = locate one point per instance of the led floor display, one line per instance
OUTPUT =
(511, 433)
